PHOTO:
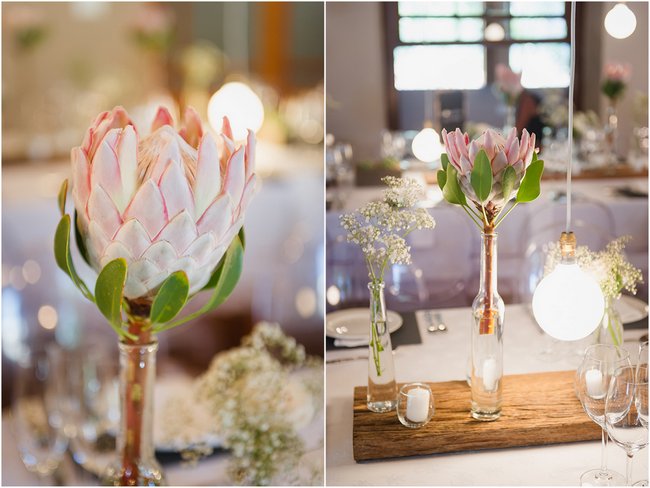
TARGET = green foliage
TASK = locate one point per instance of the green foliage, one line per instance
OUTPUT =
(171, 298)
(64, 258)
(444, 160)
(508, 181)
(452, 191)
(108, 292)
(63, 195)
(481, 177)
(529, 189)
(442, 178)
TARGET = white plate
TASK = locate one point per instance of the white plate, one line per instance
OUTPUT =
(352, 323)
(631, 309)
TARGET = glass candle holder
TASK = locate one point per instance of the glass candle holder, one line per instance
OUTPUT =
(415, 405)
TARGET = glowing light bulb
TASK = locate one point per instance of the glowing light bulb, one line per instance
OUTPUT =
(620, 21)
(495, 32)
(426, 145)
(568, 303)
(240, 104)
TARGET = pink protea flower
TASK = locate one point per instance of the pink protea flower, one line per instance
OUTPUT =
(617, 72)
(508, 82)
(500, 151)
(166, 202)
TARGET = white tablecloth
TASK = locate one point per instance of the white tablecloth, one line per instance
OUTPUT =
(443, 357)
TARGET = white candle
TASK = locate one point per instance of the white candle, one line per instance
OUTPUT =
(490, 374)
(417, 404)
(594, 380)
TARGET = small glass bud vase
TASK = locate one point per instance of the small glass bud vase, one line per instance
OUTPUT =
(382, 388)
(415, 405)
(487, 337)
(610, 330)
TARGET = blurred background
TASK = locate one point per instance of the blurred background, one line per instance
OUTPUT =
(63, 63)
(475, 65)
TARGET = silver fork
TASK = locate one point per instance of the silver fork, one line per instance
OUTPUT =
(438, 325)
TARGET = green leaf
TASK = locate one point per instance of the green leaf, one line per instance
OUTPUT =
(64, 258)
(63, 195)
(508, 181)
(452, 191)
(226, 277)
(530, 184)
(481, 177)
(444, 160)
(108, 292)
(535, 158)
(81, 245)
(242, 237)
(442, 178)
(171, 298)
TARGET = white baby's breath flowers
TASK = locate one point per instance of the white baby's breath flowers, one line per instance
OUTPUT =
(609, 267)
(260, 400)
(380, 228)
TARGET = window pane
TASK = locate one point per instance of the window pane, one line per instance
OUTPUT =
(439, 9)
(438, 67)
(440, 30)
(522, 29)
(531, 9)
(542, 65)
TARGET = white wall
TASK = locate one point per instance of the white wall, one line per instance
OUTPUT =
(356, 97)
(633, 50)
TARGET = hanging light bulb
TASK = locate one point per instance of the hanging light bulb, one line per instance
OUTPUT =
(568, 304)
(426, 144)
(620, 21)
(240, 104)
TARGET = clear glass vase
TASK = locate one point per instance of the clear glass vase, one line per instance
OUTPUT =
(487, 337)
(611, 132)
(610, 330)
(382, 388)
(136, 464)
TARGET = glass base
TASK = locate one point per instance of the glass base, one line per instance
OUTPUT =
(485, 416)
(116, 475)
(597, 477)
(381, 407)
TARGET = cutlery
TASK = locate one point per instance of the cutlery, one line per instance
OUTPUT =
(438, 325)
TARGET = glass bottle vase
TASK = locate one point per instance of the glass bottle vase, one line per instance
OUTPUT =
(611, 133)
(610, 330)
(136, 464)
(487, 337)
(382, 388)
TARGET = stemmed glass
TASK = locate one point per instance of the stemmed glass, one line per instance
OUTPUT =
(38, 420)
(626, 413)
(592, 379)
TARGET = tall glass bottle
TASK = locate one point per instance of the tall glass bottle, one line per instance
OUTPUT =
(136, 463)
(382, 388)
(487, 337)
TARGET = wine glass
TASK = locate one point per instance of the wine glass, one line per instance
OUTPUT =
(592, 378)
(626, 413)
(641, 401)
(38, 420)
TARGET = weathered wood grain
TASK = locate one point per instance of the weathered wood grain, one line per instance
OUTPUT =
(538, 409)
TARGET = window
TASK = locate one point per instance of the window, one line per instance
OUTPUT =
(456, 45)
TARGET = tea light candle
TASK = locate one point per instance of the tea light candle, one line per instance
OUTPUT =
(490, 374)
(594, 380)
(417, 405)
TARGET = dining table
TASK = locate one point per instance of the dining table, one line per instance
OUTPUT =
(443, 356)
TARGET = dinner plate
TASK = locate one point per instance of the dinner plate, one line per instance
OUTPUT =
(352, 323)
(631, 309)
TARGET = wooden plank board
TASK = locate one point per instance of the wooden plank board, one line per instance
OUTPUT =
(538, 409)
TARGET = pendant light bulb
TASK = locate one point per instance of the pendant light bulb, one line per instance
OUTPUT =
(426, 145)
(568, 303)
(620, 21)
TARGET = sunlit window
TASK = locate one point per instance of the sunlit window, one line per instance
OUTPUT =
(443, 45)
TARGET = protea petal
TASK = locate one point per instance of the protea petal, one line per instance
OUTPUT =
(235, 178)
(523, 147)
(80, 181)
(162, 254)
(228, 149)
(250, 154)
(473, 150)
(175, 190)
(202, 247)
(96, 242)
(134, 288)
(461, 143)
(226, 129)
(192, 130)
(105, 172)
(218, 217)
(113, 251)
(499, 163)
(249, 192)
(163, 117)
(148, 208)
(134, 236)
(513, 151)
(127, 154)
(180, 232)
(143, 270)
(208, 175)
(102, 210)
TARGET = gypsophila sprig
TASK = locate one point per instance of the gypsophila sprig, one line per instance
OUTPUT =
(261, 393)
(380, 228)
(610, 267)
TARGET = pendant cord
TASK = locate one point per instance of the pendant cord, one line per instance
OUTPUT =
(570, 122)
(428, 106)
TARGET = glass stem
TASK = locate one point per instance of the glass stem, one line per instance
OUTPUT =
(628, 469)
(603, 458)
